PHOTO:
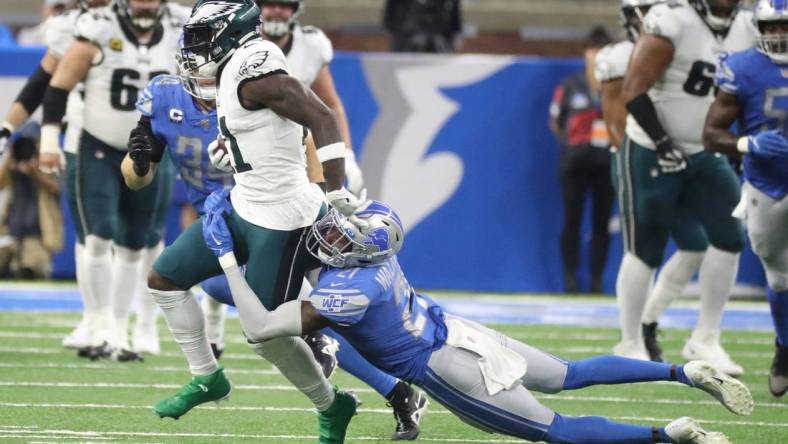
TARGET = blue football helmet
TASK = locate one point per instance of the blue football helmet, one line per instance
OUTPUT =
(199, 86)
(773, 44)
(339, 243)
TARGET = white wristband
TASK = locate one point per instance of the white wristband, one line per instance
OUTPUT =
(50, 139)
(331, 152)
(743, 145)
(228, 261)
(7, 125)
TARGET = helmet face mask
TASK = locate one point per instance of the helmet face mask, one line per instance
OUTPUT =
(142, 19)
(276, 27)
(199, 86)
(771, 22)
(632, 13)
(337, 242)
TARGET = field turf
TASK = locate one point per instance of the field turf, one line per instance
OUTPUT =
(47, 394)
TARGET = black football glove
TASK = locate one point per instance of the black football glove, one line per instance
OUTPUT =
(140, 150)
(669, 157)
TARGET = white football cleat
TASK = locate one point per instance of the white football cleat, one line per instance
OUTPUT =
(79, 337)
(146, 339)
(632, 350)
(730, 392)
(687, 431)
(706, 347)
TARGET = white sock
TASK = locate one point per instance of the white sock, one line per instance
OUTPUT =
(295, 361)
(672, 279)
(185, 320)
(88, 303)
(147, 309)
(632, 286)
(215, 314)
(98, 270)
(125, 277)
(717, 276)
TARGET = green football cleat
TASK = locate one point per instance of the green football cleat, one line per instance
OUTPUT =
(334, 421)
(201, 389)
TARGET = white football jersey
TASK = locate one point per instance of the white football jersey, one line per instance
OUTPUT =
(612, 60)
(58, 36)
(685, 92)
(310, 51)
(121, 71)
(272, 189)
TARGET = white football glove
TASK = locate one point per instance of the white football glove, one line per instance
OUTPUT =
(220, 157)
(346, 203)
(353, 175)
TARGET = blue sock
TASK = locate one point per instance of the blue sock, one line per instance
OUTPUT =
(618, 370)
(352, 362)
(778, 301)
(218, 288)
(599, 430)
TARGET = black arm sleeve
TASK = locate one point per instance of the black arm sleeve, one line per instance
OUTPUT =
(54, 105)
(157, 144)
(642, 109)
(33, 92)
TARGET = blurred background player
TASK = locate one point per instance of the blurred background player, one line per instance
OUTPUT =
(477, 373)
(117, 49)
(754, 93)
(576, 120)
(667, 88)
(37, 35)
(59, 35)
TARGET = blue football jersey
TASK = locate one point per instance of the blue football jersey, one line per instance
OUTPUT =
(761, 88)
(380, 314)
(187, 131)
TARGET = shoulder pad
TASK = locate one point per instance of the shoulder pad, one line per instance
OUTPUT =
(59, 32)
(259, 58)
(94, 26)
(665, 20)
(154, 91)
(612, 60)
(177, 14)
(318, 43)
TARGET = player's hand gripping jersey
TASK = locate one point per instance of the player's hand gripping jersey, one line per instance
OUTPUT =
(187, 131)
(309, 52)
(761, 89)
(685, 92)
(272, 188)
(393, 326)
(122, 69)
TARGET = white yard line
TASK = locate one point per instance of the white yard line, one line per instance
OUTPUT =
(132, 367)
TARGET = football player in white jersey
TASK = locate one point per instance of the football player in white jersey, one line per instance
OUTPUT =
(309, 52)
(663, 170)
(115, 52)
(59, 32)
(262, 113)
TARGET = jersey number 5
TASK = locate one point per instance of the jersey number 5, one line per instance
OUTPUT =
(123, 89)
(701, 79)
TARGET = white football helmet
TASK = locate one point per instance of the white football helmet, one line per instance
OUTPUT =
(774, 45)
(632, 13)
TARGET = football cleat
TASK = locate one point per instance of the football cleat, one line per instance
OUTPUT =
(631, 349)
(778, 375)
(79, 337)
(325, 349)
(706, 347)
(409, 407)
(125, 355)
(96, 352)
(333, 422)
(650, 342)
(730, 392)
(146, 339)
(687, 431)
(201, 389)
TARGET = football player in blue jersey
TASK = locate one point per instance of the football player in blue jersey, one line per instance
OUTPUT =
(753, 92)
(477, 373)
(180, 112)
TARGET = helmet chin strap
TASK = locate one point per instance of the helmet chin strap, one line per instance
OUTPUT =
(719, 23)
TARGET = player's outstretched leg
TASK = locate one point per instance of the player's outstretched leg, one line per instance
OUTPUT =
(201, 389)
(778, 375)
(409, 404)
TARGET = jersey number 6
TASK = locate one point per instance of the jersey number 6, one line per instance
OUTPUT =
(701, 79)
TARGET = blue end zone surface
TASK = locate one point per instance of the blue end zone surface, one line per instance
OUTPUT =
(503, 310)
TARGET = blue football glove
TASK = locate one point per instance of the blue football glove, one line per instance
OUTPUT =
(214, 228)
(768, 144)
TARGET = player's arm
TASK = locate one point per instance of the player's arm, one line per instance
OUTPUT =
(289, 98)
(73, 67)
(31, 95)
(314, 170)
(650, 58)
(614, 110)
(145, 152)
(716, 131)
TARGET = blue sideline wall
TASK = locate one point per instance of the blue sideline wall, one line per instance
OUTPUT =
(459, 146)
